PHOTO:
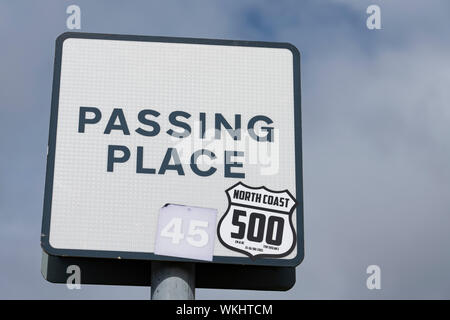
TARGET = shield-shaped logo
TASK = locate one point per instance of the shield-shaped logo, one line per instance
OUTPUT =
(258, 221)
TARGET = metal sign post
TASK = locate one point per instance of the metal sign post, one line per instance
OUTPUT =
(172, 280)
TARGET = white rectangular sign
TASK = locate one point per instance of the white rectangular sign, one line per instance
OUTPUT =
(141, 122)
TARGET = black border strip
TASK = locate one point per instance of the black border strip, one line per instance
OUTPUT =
(150, 256)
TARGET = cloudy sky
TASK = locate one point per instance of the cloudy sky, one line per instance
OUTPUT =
(376, 114)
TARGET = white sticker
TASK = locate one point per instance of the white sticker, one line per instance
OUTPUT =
(186, 232)
(258, 221)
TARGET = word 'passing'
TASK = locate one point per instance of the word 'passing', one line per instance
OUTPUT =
(258, 129)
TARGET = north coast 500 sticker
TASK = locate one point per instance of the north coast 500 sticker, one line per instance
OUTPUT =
(258, 221)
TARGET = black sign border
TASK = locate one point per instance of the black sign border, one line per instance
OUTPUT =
(45, 243)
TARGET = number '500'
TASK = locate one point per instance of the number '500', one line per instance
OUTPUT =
(257, 222)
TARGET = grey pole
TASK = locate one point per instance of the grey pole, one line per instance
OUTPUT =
(172, 280)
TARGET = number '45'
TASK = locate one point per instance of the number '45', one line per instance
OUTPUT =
(196, 237)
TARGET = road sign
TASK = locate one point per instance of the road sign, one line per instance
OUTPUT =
(139, 122)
